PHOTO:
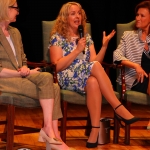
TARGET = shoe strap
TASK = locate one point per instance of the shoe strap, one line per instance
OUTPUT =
(117, 106)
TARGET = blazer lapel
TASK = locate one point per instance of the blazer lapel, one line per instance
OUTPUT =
(14, 39)
(8, 49)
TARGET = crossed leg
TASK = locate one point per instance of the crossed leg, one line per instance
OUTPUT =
(97, 85)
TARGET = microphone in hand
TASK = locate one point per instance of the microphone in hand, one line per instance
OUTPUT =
(81, 33)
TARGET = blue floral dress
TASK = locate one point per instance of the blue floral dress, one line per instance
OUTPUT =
(75, 76)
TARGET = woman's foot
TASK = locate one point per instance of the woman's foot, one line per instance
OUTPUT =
(93, 138)
(124, 115)
(63, 146)
(123, 112)
(43, 137)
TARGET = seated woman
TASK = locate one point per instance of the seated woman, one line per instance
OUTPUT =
(133, 52)
(16, 77)
(82, 72)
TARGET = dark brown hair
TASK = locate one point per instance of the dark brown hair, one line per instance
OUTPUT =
(143, 4)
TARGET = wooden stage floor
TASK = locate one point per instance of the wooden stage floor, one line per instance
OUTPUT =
(140, 139)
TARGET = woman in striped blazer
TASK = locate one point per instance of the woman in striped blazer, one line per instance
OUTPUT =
(134, 52)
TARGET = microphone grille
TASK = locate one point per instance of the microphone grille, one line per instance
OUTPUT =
(80, 28)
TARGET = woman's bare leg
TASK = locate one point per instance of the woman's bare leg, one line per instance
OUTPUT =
(94, 100)
(51, 127)
(107, 90)
(57, 135)
(55, 128)
(47, 107)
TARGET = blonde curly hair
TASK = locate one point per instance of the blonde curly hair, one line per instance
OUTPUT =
(61, 23)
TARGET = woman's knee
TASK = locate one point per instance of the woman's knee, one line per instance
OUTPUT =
(41, 78)
(92, 82)
(97, 66)
(56, 88)
(46, 77)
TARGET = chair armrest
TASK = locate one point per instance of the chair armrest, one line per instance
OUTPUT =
(46, 67)
(123, 85)
(122, 70)
(54, 73)
(37, 64)
(107, 67)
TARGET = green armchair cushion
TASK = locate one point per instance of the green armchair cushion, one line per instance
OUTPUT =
(76, 98)
(18, 100)
(137, 97)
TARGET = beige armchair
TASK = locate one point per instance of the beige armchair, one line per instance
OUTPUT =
(66, 95)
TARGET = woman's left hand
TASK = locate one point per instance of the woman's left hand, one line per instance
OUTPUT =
(24, 71)
(108, 37)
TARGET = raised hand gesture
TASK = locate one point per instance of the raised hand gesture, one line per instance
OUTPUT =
(108, 37)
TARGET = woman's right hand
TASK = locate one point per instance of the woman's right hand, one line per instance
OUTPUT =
(24, 71)
(33, 71)
(140, 73)
(81, 44)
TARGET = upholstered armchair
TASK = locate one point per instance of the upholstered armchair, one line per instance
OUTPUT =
(129, 96)
(12, 101)
(66, 95)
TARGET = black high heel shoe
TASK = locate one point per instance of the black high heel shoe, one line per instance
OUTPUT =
(127, 121)
(92, 145)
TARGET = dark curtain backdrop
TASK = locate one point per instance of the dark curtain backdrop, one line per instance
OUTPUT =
(102, 14)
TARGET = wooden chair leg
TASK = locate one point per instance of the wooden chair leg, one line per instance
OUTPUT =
(88, 124)
(127, 127)
(127, 135)
(64, 120)
(10, 127)
(4, 131)
(116, 130)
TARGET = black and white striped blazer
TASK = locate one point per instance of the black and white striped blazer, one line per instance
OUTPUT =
(130, 48)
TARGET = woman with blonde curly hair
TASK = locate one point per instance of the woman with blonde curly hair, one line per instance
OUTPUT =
(79, 69)
(61, 24)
